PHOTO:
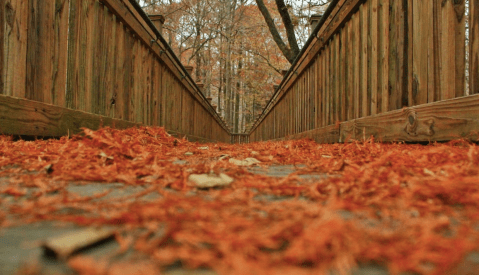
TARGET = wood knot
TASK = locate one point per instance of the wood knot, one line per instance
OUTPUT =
(411, 123)
(9, 14)
(414, 127)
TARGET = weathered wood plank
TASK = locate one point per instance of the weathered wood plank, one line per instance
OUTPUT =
(97, 88)
(452, 47)
(383, 67)
(32, 118)
(15, 38)
(60, 51)
(460, 47)
(336, 89)
(74, 49)
(350, 72)
(364, 89)
(111, 64)
(343, 78)
(356, 64)
(474, 47)
(373, 65)
(328, 134)
(422, 14)
(438, 121)
(39, 51)
(435, 65)
(128, 76)
(327, 86)
(398, 54)
(2, 45)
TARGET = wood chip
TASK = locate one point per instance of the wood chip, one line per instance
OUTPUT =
(64, 246)
(245, 162)
(209, 181)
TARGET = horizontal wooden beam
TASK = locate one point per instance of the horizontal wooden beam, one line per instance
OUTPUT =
(437, 121)
(328, 134)
(20, 116)
(25, 117)
(191, 138)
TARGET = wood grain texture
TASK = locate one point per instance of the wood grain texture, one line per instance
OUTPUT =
(2, 45)
(15, 38)
(373, 51)
(328, 134)
(438, 121)
(383, 48)
(422, 14)
(474, 47)
(32, 118)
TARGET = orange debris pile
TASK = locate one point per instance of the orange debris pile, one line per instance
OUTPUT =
(408, 207)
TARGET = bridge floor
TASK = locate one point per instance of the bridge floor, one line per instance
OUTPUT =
(292, 207)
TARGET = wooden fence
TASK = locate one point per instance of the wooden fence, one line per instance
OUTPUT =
(392, 69)
(67, 64)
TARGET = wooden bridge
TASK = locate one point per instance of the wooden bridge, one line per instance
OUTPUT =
(395, 70)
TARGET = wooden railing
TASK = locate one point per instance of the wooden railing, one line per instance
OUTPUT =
(68, 64)
(392, 69)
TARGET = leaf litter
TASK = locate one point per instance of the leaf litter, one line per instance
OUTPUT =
(411, 208)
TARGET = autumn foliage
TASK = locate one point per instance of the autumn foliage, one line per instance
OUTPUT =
(407, 207)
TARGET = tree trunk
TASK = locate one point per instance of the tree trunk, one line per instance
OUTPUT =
(291, 51)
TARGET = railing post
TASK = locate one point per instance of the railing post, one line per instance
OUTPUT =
(158, 20)
(314, 20)
(189, 70)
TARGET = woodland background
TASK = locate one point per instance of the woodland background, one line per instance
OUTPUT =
(232, 48)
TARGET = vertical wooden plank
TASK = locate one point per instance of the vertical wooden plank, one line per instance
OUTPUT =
(383, 67)
(97, 89)
(2, 45)
(364, 89)
(332, 80)
(109, 64)
(118, 93)
(315, 78)
(35, 87)
(73, 69)
(374, 77)
(42, 60)
(409, 31)
(60, 51)
(155, 77)
(350, 68)
(314, 98)
(336, 78)
(398, 52)
(460, 45)
(327, 91)
(474, 47)
(452, 48)
(343, 105)
(434, 64)
(128, 74)
(357, 65)
(135, 80)
(421, 14)
(89, 38)
(15, 37)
